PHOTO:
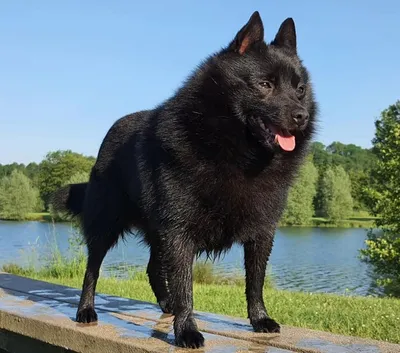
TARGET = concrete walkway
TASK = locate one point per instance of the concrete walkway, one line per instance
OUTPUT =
(36, 316)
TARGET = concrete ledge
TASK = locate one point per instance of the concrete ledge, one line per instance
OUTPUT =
(15, 343)
(36, 313)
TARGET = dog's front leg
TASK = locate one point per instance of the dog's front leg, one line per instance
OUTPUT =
(178, 257)
(256, 256)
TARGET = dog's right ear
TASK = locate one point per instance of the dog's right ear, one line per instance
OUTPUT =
(286, 36)
(251, 32)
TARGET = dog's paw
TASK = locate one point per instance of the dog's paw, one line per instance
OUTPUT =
(266, 324)
(189, 338)
(86, 315)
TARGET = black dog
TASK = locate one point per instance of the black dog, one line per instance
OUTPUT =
(209, 167)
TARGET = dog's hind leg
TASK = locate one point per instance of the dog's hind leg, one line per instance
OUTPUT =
(256, 256)
(158, 278)
(102, 226)
(96, 253)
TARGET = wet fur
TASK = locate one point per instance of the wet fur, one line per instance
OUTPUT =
(196, 174)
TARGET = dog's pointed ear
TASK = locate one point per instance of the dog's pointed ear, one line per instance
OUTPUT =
(286, 36)
(251, 32)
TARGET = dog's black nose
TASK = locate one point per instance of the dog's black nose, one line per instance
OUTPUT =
(300, 117)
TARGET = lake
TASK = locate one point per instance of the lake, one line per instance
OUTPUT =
(303, 259)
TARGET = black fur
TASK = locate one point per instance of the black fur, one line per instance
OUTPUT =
(200, 172)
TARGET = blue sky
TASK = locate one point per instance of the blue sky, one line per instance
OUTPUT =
(69, 69)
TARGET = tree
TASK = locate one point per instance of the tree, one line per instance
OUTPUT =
(355, 160)
(383, 248)
(337, 202)
(384, 193)
(58, 167)
(299, 208)
(32, 172)
(5, 170)
(318, 151)
(17, 196)
(359, 179)
(79, 177)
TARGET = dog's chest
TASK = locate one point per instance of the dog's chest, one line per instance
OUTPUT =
(237, 211)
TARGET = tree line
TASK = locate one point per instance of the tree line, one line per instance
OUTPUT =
(328, 185)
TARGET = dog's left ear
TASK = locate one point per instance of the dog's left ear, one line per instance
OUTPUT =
(251, 32)
(286, 36)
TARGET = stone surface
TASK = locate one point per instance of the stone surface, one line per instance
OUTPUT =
(16, 343)
(46, 312)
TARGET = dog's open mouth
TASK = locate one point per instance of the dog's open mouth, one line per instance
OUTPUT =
(283, 138)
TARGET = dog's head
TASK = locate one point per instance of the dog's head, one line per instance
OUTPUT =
(269, 87)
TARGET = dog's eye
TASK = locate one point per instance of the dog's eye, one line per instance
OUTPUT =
(266, 84)
(300, 91)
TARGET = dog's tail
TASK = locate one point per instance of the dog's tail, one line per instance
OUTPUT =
(69, 199)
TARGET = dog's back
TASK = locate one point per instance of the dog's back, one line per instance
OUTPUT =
(112, 190)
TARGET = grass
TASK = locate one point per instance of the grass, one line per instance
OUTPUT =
(32, 216)
(38, 216)
(359, 219)
(377, 318)
(351, 222)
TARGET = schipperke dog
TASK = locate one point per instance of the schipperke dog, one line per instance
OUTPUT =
(207, 168)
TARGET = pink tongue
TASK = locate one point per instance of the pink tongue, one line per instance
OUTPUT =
(287, 143)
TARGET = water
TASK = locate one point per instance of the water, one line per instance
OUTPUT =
(303, 259)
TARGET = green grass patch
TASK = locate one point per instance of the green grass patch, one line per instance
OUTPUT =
(351, 222)
(32, 216)
(38, 216)
(360, 219)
